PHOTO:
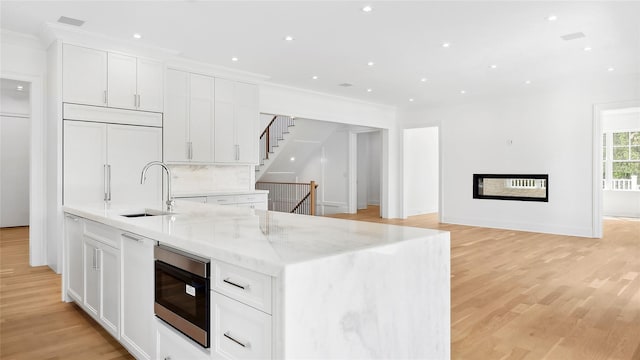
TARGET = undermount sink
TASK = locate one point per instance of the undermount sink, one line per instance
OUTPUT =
(145, 213)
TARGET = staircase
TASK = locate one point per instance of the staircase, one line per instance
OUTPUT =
(271, 138)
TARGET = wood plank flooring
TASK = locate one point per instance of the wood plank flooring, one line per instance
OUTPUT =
(523, 295)
(34, 322)
(515, 295)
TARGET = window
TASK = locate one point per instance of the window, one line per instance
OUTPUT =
(621, 160)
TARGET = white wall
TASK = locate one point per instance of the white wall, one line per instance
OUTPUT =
(329, 166)
(421, 170)
(23, 58)
(536, 130)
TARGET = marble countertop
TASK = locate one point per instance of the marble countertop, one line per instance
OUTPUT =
(217, 193)
(263, 241)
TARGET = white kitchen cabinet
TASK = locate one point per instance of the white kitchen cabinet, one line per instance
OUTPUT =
(137, 326)
(236, 122)
(134, 83)
(238, 330)
(74, 227)
(252, 200)
(97, 77)
(188, 122)
(103, 162)
(84, 75)
(172, 345)
(102, 283)
(85, 160)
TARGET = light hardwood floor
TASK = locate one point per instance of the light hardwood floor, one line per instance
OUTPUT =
(515, 295)
(523, 295)
(34, 322)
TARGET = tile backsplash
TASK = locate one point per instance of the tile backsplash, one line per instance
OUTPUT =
(197, 179)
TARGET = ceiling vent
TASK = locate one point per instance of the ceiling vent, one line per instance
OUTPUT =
(573, 36)
(70, 21)
(345, 85)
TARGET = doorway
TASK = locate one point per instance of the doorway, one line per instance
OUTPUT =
(368, 169)
(34, 164)
(15, 125)
(421, 158)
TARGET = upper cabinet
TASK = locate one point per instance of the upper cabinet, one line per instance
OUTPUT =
(236, 122)
(210, 120)
(84, 76)
(188, 122)
(96, 77)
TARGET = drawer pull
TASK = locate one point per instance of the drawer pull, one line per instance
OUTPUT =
(131, 237)
(243, 287)
(235, 341)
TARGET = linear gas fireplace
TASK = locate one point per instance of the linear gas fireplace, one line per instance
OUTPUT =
(522, 187)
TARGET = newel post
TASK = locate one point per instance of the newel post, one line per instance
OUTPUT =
(312, 195)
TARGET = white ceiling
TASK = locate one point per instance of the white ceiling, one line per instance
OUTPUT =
(334, 40)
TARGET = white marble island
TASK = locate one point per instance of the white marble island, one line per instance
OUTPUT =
(335, 288)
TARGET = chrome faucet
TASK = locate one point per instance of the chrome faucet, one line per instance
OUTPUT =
(143, 177)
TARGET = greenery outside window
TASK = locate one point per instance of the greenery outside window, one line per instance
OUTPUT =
(621, 159)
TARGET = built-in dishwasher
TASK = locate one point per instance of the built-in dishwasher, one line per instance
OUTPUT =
(182, 297)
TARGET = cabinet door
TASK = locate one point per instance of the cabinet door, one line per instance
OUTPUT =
(137, 325)
(176, 117)
(122, 81)
(84, 162)
(225, 149)
(150, 85)
(84, 75)
(201, 117)
(246, 122)
(129, 149)
(91, 277)
(75, 257)
(109, 270)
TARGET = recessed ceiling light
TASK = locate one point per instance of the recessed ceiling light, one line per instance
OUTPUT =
(369, 90)
(137, 36)
(293, 158)
(423, 79)
(289, 38)
(588, 48)
(19, 88)
(367, 9)
(371, 63)
(234, 59)
(314, 77)
(463, 92)
(552, 17)
(411, 99)
(446, 45)
(527, 82)
(494, 66)
(610, 68)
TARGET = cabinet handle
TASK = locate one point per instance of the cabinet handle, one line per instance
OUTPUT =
(98, 258)
(105, 97)
(135, 101)
(243, 287)
(235, 341)
(131, 237)
(109, 182)
(93, 264)
(106, 181)
(190, 150)
(72, 217)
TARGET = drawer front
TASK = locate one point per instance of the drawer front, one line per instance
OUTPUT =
(252, 198)
(259, 206)
(198, 199)
(175, 346)
(103, 233)
(222, 199)
(239, 331)
(244, 285)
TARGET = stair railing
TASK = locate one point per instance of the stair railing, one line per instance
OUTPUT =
(298, 198)
(274, 132)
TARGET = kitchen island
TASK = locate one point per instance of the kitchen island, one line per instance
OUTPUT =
(324, 288)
